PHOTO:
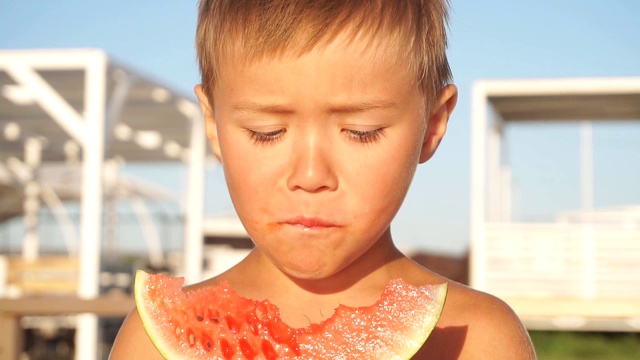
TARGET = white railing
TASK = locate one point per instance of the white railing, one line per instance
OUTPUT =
(562, 261)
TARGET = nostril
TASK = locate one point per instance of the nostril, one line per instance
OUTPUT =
(312, 165)
(312, 180)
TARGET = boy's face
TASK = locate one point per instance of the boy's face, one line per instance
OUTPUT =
(318, 151)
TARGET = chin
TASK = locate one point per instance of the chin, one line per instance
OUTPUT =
(301, 273)
(308, 272)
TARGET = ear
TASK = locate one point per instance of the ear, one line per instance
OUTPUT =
(207, 112)
(437, 121)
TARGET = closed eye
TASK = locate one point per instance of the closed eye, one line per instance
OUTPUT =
(365, 137)
(260, 137)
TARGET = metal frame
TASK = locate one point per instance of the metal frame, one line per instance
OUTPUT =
(92, 128)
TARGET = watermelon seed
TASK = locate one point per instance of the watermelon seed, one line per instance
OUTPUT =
(215, 320)
(199, 318)
(192, 339)
(177, 331)
(207, 342)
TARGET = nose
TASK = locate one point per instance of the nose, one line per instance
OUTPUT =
(313, 165)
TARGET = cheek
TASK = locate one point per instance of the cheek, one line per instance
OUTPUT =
(397, 163)
(245, 181)
(252, 175)
(384, 178)
(237, 165)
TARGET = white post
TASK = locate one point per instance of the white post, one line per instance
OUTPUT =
(91, 206)
(477, 208)
(586, 165)
(32, 158)
(494, 176)
(111, 174)
(194, 209)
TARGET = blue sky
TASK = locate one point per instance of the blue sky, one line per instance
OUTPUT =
(488, 39)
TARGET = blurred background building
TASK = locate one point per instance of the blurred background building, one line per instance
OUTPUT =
(580, 269)
(70, 119)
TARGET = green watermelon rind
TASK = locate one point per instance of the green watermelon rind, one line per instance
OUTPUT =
(401, 343)
(405, 344)
(431, 319)
(145, 310)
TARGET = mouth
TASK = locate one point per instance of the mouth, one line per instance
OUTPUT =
(309, 223)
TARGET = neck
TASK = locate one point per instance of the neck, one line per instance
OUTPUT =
(369, 270)
(302, 301)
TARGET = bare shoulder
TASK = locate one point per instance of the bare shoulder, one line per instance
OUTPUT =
(478, 325)
(473, 324)
(132, 341)
(494, 327)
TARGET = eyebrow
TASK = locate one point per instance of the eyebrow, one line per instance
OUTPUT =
(256, 107)
(355, 107)
(363, 106)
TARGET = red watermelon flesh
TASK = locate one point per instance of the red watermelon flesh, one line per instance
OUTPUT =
(216, 323)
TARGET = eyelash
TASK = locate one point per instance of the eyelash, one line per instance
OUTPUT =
(364, 137)
(266, 137)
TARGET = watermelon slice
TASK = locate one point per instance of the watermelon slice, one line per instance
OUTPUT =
(217, 323)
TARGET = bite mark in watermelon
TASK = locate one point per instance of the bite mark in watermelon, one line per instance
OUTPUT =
(217, 323)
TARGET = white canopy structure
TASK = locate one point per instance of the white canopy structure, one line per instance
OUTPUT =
(81, 107)
(576, 272)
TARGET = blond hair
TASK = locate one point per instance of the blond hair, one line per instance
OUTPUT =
(250, 29)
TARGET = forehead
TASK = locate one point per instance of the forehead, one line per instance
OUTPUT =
(357, 43)
(363, 56)
(340, 77)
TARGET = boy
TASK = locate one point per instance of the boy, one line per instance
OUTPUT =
(320, 112)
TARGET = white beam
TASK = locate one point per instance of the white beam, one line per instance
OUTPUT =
(49, 99)
(50, 59)
(91, 205)
(562, 86)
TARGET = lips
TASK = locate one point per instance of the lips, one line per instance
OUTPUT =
(310, 223)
